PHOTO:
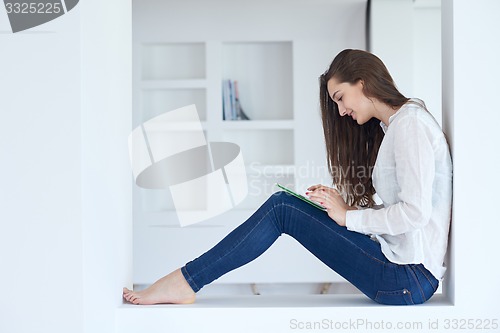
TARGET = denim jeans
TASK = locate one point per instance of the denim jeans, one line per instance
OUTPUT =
(354, 256)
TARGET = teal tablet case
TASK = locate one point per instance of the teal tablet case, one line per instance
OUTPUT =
(301, 197)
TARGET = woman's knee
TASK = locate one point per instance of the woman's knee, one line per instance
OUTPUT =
(276, 205)
(280, 196)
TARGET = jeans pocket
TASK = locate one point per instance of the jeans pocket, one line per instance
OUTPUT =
(396, 297)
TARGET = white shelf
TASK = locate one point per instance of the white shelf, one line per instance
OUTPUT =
(264, 71)
(181, 126)
(172, 61)
(156, 101)
(172, 75)
(174, 84)
(234, 125)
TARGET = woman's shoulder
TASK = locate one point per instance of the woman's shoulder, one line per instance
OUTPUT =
(415, 111)
(413, 117)
(414, 107)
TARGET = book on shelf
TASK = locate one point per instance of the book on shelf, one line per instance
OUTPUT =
(231, 105)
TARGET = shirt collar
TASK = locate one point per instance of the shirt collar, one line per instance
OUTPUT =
(391, 118)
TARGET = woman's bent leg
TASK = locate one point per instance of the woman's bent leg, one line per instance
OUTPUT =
(282, 213)
(242, 245)
(354, 256)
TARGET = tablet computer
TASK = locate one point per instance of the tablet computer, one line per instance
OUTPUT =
(301, 197)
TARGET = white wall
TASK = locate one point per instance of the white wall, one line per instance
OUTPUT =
(392, 39)
(65, 214)
(427, 66)
(40, 187)
(471, 118)
(406, 35)
(106, 121)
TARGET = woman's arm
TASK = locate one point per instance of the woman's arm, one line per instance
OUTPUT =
(415, 173)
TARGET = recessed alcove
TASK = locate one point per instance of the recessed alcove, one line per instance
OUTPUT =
(68, 217)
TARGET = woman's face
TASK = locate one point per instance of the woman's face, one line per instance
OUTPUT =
(350, 100)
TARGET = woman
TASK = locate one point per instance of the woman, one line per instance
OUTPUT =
(378, 141)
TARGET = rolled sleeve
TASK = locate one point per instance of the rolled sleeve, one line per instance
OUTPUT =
(354, 221)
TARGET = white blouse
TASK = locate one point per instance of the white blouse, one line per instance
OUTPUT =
(413, 178)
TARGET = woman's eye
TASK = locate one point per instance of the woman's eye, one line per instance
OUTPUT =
(340, 98)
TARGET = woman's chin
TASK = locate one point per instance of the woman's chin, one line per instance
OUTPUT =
(359, 121)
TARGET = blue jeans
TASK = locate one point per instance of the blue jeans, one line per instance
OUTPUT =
(354, 256)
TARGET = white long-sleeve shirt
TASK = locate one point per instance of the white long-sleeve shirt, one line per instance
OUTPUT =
(413, 178)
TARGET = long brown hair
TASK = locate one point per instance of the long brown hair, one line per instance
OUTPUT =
(351, 148)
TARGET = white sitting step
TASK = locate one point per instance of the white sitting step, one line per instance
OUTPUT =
(274, 313)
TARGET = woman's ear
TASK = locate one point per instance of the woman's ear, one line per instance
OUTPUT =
(360, 84)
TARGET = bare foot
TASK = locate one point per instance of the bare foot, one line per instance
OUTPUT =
(172, 289)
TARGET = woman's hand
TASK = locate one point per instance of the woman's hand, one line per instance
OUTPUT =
(332, 200)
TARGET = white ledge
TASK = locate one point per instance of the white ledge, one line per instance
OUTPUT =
(274, 313)
(281, 301)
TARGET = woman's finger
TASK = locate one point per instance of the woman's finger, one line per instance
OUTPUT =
(318, 196)
(314, 187)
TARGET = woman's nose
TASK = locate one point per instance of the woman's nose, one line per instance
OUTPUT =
(342, 110)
